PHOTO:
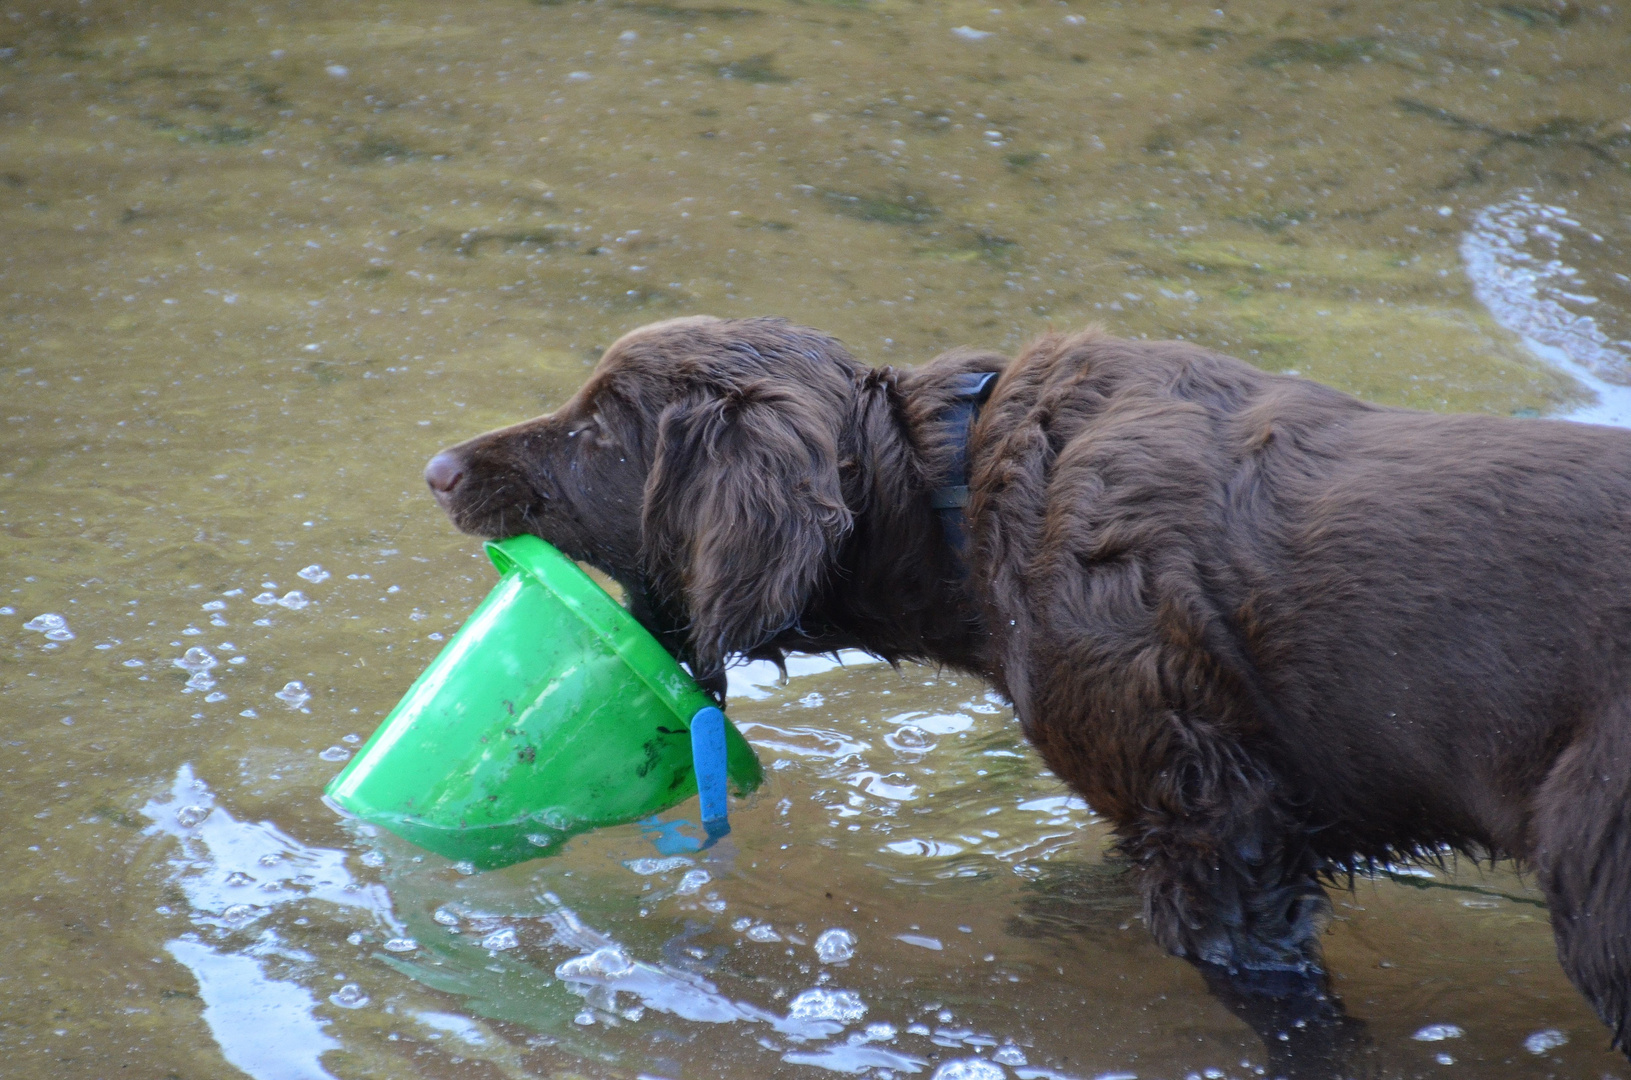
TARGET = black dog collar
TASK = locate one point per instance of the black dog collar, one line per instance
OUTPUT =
(970, 391)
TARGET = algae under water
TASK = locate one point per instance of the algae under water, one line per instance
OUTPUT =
(264, 258)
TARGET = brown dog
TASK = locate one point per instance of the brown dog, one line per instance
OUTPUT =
(1268, 630)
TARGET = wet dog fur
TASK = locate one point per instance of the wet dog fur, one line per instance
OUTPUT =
(1270, 631)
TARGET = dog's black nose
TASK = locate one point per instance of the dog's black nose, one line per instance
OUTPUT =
(443, 474)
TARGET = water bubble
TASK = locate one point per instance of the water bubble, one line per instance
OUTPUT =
(54, 627)
(1542, 1041)
(910, 739)
(238, 879)
(1438, 1033)
(969, 1069)
(692, 881)
(8, 610)
(835, 946)
(352, 738)
(265, 598)
(238, 660)
(239, 914)
(372, 859)
(334, 753)
(314, 574)
(882, 1033)
(349, 996)
(446, 916)
(135, 663)
(293, 694)
(845, 1006)
(401, 944)
(464, 867)
(659, 866)
(196, 659)
(763, 932)
(215, 605)
(217, 696)
(294, 600)
(586, 1017)
(1010, 1055)
(968, 33)
(200, 680)
(603, 965)
(500, 940)
(249, 714)
(191, 816)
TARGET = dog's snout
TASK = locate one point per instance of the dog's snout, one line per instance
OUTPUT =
(443, 473)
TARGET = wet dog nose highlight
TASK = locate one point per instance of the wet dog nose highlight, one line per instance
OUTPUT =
(443, 473)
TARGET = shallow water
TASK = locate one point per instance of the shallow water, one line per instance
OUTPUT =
(264, 259)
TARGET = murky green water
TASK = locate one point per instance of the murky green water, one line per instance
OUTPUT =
(262, 260)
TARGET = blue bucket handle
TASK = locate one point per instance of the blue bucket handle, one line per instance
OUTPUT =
(708, 759)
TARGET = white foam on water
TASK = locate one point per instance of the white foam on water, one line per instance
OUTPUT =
(970, 1069)
(53, 626)
(1511, 256)
(501, 940)
(659, 866)
(605, 970)
(1542, 1041)
(844, 1006)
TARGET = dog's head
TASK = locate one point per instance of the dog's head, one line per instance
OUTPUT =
(699, 466)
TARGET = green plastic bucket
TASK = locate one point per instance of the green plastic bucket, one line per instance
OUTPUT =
(551, 712)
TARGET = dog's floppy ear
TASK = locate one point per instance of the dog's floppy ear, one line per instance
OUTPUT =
(743, 509)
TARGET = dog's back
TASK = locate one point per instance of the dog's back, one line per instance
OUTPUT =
(1405, 613)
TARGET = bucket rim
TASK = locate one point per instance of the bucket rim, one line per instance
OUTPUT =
(652, 664)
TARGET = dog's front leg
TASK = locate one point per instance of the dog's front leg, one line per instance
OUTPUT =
(1230, 882)
(1230, 885)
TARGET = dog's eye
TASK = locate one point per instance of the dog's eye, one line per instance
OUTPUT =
(597, 429)
(603, 432)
